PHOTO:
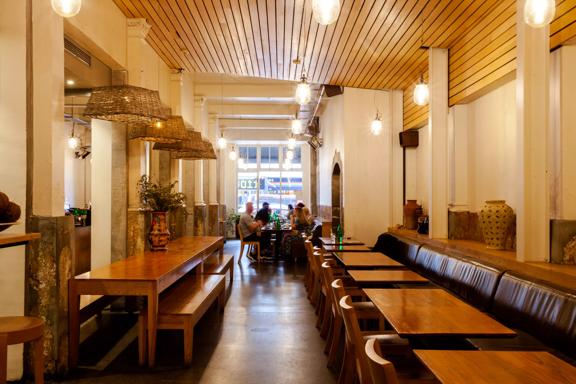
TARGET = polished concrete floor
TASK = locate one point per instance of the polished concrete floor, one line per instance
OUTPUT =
(267, 336)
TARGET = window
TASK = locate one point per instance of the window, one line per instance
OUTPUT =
(262, 178)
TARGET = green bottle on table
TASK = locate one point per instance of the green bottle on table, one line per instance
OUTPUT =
(339, 234)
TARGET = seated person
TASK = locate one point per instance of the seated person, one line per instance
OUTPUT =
(301, 219)
(263, 215)
(290, 211)
(250, 227)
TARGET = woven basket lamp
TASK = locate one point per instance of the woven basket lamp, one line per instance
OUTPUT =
(193, 141)
(125, 103)
(206, 152)
(170, 131)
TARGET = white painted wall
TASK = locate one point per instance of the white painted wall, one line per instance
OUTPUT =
(13, 159)
(77, 172)
(366, 160)
(417, 166)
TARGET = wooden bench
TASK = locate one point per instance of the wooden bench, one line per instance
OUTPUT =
(225, 266)
(182, 307)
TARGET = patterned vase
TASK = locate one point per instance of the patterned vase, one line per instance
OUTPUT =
(159, 234)
(495, 219)
(411, 213)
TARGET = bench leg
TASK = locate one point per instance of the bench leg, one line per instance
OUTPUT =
(142, 338)
(3, 358)
(38, 346)
(188, 340)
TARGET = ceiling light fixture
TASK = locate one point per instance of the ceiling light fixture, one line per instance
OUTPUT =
(376, 126)
(325, 11)
(303, 93)
(70, 82)
(222, 141)
(67, 8)
(291, 142)
(73, 141)
(539, 13)
(232, 155)
(296, 126)
(421, 92)
(289, 154)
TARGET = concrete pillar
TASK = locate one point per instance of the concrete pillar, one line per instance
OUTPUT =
(532, 102)
(438, 139)
(396, 158)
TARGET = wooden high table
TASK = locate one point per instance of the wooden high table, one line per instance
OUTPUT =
(366, 260)
(455, 367)
(433, 312)
(143, 275)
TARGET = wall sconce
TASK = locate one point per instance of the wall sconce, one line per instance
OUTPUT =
(421, 92)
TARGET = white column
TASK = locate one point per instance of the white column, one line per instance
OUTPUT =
(438, 121)
(458, 197)
(48, 104)
(212, 167)
(199, 125)
(396, 157)
(176, 84)
(532, 98)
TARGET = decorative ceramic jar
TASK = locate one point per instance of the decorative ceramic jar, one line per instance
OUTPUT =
(411, 213)
(495, 219)
(159, 235)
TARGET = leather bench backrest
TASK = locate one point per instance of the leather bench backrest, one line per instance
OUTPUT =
(386, 244)
(540, 310)
(432, 264)
(475, 283)
(407, 251)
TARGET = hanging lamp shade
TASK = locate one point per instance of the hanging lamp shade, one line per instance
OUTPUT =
(170, 131)
(125, 103)
(206, 152)
(193, 148)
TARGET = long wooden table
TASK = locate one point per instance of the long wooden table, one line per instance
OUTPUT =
(345, 248)
(366, 260)
(489, 367)
(385, 276)
(144, 275)
(433, 312)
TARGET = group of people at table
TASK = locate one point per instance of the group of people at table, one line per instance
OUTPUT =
(251, 227)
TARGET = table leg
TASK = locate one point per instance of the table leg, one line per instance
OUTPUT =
(3, 357)
(73, 323)
(152, 324)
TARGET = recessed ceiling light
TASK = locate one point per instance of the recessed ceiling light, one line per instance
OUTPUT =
(70, 82)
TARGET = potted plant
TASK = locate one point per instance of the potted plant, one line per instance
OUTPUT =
(232, 220)
(159, 199)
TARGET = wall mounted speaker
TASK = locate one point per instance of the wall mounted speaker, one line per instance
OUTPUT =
(409, 138)
(333, 90)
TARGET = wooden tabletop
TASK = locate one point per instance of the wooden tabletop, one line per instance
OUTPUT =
(8, 239)
(345, 248)
(433, 312)
(476, 367)
(345, 241)
(366, 260)
(386, 276)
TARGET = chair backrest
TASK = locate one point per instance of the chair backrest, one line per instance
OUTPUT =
(381, 370)
(240, 232)
(355, 339)
(328, 279)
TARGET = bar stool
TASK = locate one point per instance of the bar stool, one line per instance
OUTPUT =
(22, 329)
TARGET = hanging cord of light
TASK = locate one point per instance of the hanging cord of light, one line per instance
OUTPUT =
(539, 13)
(421, 91)
(376, 126)
(303, 92)
(221, 140)
(73, 141)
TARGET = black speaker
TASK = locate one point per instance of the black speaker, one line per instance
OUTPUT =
(333, 90)
(409, 138)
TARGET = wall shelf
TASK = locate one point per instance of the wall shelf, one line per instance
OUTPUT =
(12, 239)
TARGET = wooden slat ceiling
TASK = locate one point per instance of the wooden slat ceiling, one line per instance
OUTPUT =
(374, 44)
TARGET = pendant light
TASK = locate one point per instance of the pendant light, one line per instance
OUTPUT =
(376, 126)
(66, 8)
(539, 13)
(421, 92)
(221, 141)
(291, 142)
(296, 126)
(325, 11)
(232, 155)
(289, 154)
(73, 141)
(241, 162)
(303, 93)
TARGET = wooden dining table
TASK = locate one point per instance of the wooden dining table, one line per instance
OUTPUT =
(143, 275)
(366, 260)
(489, 367)
(335, 241)
(433, 312)
(345, 248)
(385, 277)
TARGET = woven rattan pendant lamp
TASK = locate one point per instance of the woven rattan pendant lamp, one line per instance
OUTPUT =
(170, 131)
(193, 142)
(125, 103)
(206, 152)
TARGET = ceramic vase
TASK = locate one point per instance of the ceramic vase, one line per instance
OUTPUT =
(159, 235)
(411, 213)
(495, 219)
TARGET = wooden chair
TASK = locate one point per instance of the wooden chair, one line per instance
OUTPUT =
(250, 244)
(382, 371)
(355, 357)
(22, 329)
